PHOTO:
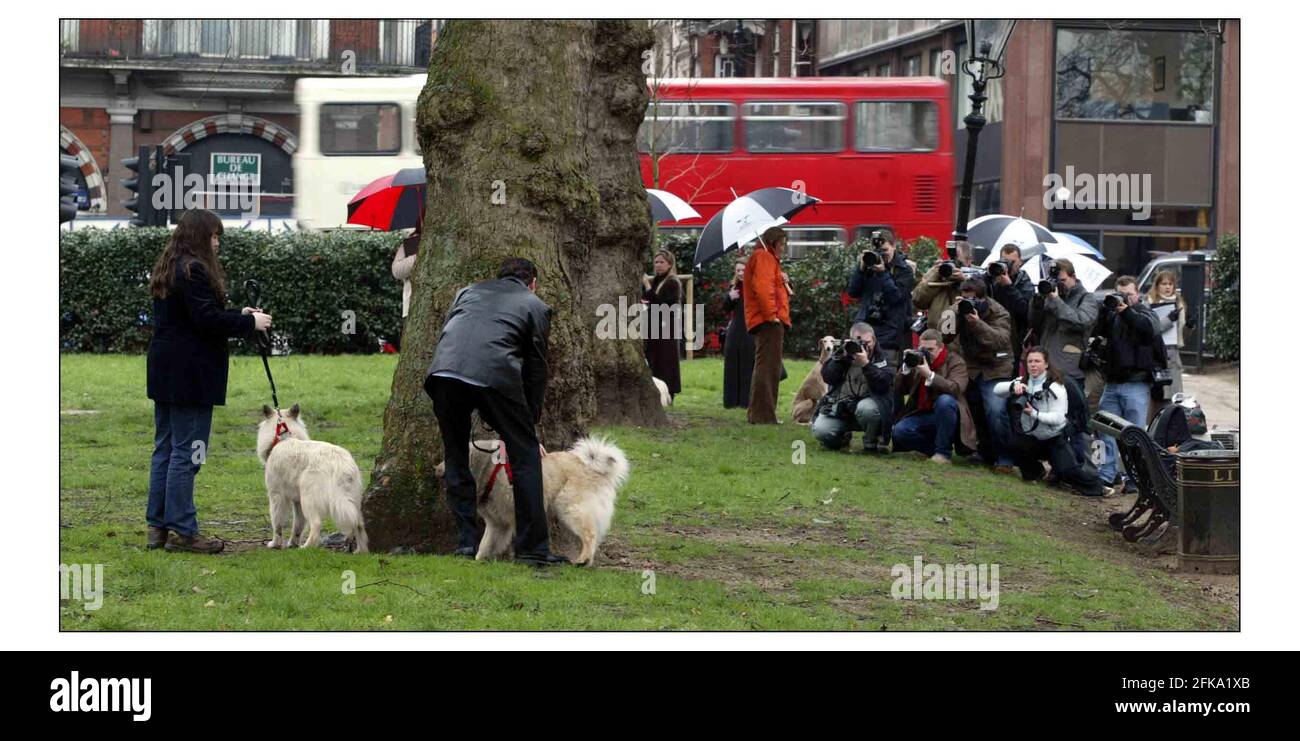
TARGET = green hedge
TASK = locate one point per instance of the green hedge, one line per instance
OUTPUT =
(1223, 335)
(308, 280)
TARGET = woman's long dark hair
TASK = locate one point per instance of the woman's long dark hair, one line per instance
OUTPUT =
(1053, 375)
(192, 240)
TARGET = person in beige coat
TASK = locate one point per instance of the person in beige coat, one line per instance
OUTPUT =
(403, 266)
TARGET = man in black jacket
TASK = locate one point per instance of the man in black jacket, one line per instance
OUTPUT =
(1014, 289)
(884, 290)
(1132, 353)
(491, 356)
(860, 397)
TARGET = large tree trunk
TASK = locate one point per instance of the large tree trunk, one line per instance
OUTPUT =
(528, 130)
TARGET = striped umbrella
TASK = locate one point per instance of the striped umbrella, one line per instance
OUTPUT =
(392, 202)
(993, 231)
(665, 206)
(745, 218)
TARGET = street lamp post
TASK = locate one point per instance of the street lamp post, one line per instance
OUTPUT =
(987, 41)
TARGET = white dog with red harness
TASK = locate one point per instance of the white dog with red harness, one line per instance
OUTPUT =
(307, 480)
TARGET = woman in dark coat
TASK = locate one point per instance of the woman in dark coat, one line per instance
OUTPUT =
(661, 346)
(187, 369)
(738, 352)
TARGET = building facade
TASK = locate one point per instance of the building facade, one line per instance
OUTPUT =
(221, 90)
(733, 48)
(1139, 121)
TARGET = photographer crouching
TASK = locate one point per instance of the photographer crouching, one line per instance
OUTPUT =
(1132, 358)
(860, 398)
(984, 337)
(883, 285)
(933, 378)
(1038, 407)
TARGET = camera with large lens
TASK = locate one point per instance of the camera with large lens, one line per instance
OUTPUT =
(1053, 280)
(1113, 301)
(876, 310)
(913, 358)
(966, 306)
(845, 348)
(1016, 405)
(1094, 356)
(870, 259)
(999, 268)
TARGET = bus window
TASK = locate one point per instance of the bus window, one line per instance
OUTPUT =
(896, 126)
(794, 127)
(362, 128)
(671, 127)
(802, 239)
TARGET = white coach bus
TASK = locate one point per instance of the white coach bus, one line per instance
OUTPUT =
(352, 131)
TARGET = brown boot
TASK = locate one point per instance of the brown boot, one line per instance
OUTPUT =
(157, 538)
(194, 544)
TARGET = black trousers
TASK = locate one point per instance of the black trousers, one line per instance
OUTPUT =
(453, 403)
(1065, 464)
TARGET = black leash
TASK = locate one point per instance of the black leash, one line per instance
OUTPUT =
(262, 338)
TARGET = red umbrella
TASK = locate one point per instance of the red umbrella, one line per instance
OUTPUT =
(392, 202)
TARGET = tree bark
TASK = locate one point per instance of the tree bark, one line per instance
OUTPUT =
(528, 130)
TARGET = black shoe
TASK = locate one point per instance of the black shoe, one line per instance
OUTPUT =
(545, 559)
(465, 551)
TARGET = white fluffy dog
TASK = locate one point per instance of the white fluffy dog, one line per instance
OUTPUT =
(579, 485)
(309, 478)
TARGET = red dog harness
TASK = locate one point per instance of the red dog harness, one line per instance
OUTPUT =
(492, 478)
(281, 429)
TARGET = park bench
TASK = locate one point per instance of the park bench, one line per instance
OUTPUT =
(1152, 470)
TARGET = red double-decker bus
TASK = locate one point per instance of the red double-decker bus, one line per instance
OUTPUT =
(876, 151)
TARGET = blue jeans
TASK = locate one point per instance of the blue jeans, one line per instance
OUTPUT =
(176, 459)
(929, 432)
(1130, 401)
(836, 433)
(999, 422)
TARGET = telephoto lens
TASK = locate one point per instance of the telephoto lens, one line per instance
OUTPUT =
(965, 306)
(912, 358)
(946, 269)
(1113, 301)
(997, 269)
(852, 347)
(1046, 286)
(870, 259)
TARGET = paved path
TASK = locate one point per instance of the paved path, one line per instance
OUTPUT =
(1219, 391)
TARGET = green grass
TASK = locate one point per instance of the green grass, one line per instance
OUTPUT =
(737, 534)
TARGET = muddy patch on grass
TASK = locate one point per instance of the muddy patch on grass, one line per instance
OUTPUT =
(759, 557)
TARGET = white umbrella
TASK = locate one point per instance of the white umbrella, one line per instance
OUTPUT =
(1089, 272)
(665, 206)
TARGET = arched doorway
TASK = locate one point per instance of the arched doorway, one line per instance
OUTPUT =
(265, 150)
(90, 181)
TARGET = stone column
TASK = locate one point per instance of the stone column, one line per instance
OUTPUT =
(121, 144)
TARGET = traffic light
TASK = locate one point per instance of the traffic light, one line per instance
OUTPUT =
(68, 167)
(178, 165)
(140, 201)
